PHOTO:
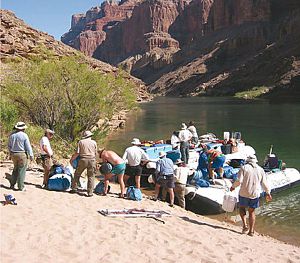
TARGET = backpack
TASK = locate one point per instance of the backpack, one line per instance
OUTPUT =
(99, 189)
(133, 193)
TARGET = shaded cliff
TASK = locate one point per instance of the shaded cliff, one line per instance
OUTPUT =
(210, 47)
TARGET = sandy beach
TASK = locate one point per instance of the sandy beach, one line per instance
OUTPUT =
(48, 226)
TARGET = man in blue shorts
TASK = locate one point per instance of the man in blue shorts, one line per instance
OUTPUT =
(250, 177)
(118, 169)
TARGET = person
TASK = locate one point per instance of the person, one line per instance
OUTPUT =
(175, 140)
(250, 177)
(181, 174)
(46, 154)
(192, 129)
(118, 169)
(216, 161)
(133, 156)
(184, 137)
(87, 150)
(19, 148)
(165, 176)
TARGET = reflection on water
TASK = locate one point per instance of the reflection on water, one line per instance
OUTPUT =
(261, 124)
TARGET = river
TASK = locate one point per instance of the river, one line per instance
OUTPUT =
(261, 124)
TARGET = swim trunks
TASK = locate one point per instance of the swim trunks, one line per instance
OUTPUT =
(119, 169)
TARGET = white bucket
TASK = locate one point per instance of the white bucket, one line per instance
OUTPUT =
(226, 136)
(229, 203)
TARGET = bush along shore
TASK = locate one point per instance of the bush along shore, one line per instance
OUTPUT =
(66, 95)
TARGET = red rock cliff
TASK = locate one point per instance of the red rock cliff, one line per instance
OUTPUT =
(88, 30)
(192, 46)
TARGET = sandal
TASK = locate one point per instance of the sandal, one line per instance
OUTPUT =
(245, 229)
(122, 196)
(251, 234)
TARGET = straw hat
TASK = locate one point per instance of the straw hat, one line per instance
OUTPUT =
(136, 141)
(183, 126)
(87, 134)
(49, 131)
(20, 125)
(162, 154)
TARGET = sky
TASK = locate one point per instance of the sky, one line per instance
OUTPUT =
(52, 16)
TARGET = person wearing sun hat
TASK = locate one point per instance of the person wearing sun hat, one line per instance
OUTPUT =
(184, 137)
(46, 154)
(133, 156)
(181, 174)
(20, 149)
(165, 176)
(87, 151)
(250, 177)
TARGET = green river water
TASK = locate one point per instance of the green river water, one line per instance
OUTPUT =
(261, 124)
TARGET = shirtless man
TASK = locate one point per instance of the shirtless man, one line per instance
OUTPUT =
(118, 169)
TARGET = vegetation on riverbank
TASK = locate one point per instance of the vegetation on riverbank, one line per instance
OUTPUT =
(63, 94)
(253, 93)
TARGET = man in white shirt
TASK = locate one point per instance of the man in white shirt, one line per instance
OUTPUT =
(192, 129)
(47, 154)
(250, 177)
(133, 156)
(181, 175)
(184, 137)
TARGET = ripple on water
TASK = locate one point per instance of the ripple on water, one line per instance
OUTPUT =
(281, 217)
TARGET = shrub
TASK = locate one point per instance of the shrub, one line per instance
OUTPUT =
(67, 95)
(9, 115)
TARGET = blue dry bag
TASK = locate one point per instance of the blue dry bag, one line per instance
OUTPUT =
(133, 193)
(99, 189)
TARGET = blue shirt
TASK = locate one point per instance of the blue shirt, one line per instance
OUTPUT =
(19, 143)
(165, 166)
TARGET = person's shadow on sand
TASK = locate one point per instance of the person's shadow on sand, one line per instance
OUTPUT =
(187, 219)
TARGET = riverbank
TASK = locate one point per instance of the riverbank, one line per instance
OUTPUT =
(57, 227)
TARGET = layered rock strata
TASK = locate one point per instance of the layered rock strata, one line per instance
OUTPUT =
(194, 47)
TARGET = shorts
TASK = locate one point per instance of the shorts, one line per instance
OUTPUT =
(218, 162)
(166, 181)
(133, 170)
(248, 202)
(119, 169)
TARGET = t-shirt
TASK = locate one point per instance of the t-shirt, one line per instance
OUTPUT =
(134, 155)
(251, 177)
(45, 141)
(87, 148)
(181, 174)
(184, 135)
(193, 131)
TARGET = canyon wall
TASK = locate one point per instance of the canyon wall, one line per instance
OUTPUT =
(194, 47)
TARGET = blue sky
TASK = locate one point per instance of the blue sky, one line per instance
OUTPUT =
(52, 16)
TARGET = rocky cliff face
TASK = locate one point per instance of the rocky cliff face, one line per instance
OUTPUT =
(193, 47)
(88, 30)
(19, 41)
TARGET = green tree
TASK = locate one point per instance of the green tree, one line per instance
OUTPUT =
(67, 95)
